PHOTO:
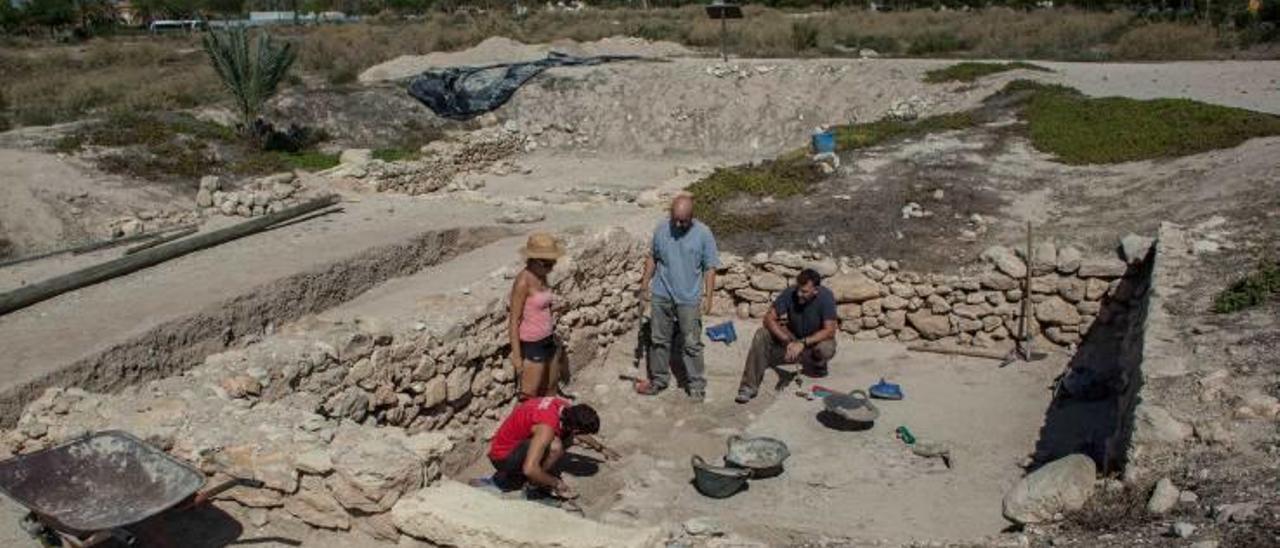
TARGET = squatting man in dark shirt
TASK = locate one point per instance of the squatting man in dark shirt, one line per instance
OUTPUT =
(800, 327)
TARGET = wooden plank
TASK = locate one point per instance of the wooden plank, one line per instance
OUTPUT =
(34, 293)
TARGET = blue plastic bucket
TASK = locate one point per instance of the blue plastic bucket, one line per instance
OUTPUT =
(824, 142)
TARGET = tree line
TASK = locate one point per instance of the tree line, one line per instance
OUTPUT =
(96, 16)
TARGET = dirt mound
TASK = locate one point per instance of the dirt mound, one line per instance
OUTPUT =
(500, 49)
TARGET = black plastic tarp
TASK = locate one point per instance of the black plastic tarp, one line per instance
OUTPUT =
(462, 93)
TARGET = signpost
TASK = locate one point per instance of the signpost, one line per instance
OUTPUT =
(724, 11)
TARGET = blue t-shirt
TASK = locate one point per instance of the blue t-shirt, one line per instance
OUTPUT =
(681, 260)
(805, 319)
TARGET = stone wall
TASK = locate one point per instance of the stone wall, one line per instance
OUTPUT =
(341, 420)
(880, 300)
(457, 369)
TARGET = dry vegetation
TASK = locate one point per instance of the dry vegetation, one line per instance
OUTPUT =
(47, 84)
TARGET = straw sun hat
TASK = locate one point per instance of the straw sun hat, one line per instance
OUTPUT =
(542, 246)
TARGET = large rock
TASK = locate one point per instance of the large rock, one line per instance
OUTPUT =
(452, 514)
(1044, 259)
(357, 157)
(1102, 268)
(768, 281)
(1154, 424)
(372, 468)
(853, 288)
(314, 506)
(1055, 311)
(930, 326)
(1069, 260)
(434, 392)
(1060, 486)
(458, 385)
(1134, 248)
(1005, 261)
(997, 281)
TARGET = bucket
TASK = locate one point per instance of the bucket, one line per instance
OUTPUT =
(824, 142)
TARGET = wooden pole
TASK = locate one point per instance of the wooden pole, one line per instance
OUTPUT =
(958, 351)
(1024, 325)
(162, 240)
(34, 293)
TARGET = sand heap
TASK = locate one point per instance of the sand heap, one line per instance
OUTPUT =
(500, 49)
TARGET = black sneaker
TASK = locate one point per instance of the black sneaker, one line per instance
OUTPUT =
(697, 394)
(744, 395)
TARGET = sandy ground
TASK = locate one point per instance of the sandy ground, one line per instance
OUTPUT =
(860, 486)
(47, 200)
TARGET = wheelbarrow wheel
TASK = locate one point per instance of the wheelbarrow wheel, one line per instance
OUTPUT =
(40, 532)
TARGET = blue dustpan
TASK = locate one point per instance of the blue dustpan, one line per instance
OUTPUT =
(886, 391)
(724, 333)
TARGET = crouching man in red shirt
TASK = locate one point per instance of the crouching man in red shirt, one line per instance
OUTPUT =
(531, 440)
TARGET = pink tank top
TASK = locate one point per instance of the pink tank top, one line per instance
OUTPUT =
(536, 324)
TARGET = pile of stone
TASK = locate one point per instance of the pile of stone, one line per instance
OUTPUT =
(148, 221)
(878, 300)
(253, 199)
(440, 167)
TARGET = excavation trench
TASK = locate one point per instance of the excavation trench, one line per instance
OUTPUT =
(178, 344)
(359, 419)
(999, 423)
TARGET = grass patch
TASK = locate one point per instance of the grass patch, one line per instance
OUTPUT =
(793, 173)
(971, 71)
(857, 136)
(174, 146)
(394, 154)
(787, 176)
(1084, 130)
(1250, 291)
(1112, 511)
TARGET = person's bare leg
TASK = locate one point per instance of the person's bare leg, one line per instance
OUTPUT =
(531, 379)
(554, 371)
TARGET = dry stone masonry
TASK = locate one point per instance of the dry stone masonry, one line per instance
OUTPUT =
(440, 166)
(343, 420)
(878, 300)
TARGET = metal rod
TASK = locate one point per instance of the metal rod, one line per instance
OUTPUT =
(724, 38)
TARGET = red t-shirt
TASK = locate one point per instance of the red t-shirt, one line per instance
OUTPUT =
(518, 426)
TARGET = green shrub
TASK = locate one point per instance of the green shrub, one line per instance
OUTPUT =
(393, 154)
(971, 71)
(787, 176)
(1085, 130)
(1250, 291)
(864, 135)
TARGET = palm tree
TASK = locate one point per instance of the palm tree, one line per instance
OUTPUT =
(252, 75)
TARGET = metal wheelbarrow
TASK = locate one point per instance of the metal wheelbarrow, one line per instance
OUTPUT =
(96, 488)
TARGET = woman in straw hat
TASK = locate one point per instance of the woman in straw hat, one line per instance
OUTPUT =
(534, 352)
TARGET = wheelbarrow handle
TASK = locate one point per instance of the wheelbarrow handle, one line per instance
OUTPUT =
(204, 496)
